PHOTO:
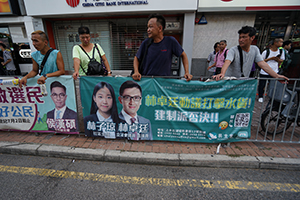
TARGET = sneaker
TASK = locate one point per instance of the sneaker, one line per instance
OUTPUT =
(260, 100)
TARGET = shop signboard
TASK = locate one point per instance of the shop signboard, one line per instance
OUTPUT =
(5, 7)
(79, 7)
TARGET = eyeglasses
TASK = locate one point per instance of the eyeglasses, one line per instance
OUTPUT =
(129, 98)
(60, 95)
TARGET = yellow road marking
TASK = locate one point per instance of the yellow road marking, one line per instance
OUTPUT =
(237, 185)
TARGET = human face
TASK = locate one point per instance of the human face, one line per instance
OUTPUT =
(279, 43)
(85, 39)
(217, 48)
(153, 29)
(245, 40)
(132, 105)
(38, 42)
(288, 47)
(58, 96)
(222, 46)
(104, 101)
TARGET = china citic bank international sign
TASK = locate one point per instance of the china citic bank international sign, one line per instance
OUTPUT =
(73, 3)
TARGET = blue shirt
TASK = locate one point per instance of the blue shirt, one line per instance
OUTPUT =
(158, 61)
(50, 65)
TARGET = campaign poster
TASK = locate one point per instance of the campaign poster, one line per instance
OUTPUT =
(39, 108)
(167, 109)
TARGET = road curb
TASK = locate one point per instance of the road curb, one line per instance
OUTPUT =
(195, 160)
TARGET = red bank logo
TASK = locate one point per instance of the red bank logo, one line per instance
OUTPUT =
(73, 3)
(226, 0)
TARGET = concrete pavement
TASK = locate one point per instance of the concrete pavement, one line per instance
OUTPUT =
(255, 155)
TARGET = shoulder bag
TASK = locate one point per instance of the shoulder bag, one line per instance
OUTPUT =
(94, 67)
(45, 60)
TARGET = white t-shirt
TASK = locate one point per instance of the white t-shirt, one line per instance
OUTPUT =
(272, 63)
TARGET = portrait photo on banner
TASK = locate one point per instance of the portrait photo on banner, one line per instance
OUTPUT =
(114, 115)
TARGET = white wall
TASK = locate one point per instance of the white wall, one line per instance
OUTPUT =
(187, 43)
(219, 26)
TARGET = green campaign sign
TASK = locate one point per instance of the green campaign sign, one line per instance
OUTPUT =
(167, 109)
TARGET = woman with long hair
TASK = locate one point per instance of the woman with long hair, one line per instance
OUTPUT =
(103, 120)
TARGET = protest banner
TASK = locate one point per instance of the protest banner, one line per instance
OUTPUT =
(168, 109)
(31, 109)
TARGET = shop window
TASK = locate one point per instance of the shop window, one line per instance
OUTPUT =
(66, 36)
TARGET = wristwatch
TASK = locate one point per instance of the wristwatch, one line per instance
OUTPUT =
(45, 75)
(109, 72)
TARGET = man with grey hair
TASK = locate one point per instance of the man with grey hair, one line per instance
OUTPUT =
(54, 65)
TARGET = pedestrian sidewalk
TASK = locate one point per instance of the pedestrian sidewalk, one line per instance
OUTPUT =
(238, 154)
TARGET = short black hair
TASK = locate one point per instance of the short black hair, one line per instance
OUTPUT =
(271, 42)
(57, 84)
(285, 43)
(3, 45)
(216, 45)
(129, 84)
(247, 29)
(159, 19)
(223, 41)
(83, 30)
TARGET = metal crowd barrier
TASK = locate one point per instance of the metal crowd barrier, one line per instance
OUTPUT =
(277, 118)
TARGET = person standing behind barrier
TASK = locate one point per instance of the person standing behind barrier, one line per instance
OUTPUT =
(81, 60)
(103, 113)
(220, 57)
(8, 62)
(250, 54)
(211, 59)
(158, 60)
(2, 68)
(273, 57)
(54, 65)
(286, 46)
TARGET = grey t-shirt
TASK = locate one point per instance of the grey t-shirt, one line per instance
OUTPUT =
(249, 58)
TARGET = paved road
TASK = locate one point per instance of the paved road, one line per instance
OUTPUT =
(31, 177)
